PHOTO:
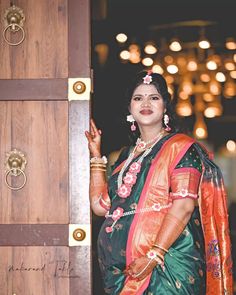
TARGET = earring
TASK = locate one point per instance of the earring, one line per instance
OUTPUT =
(166, 121)
(130, 118)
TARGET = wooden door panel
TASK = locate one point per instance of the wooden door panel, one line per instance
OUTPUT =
(42, 115)
(35, 270)
(44, 52)
(40, 130)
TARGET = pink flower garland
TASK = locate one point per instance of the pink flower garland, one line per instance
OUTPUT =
(129, 180)
(116, 215)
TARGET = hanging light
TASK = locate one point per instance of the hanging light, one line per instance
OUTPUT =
(192, 66)
(208, 97)
(214, 87)
(157, 69)
(213, 109)
(205, 77)
(187, 86)
(231, 146)
(147, 61)
(229, 65)
(204, 43)
(229, 89)
(121, 37)
(200, 128)
(168, 59)
(172, 69)
(211, 65)
(169, 79)
(102, 50)
(220, 77)
(234, 57)
(150, 49)
(233, 74)
(125, 55)
(183, 95)
(135, 54)
(175, 45)
(184, 108)
(230, 44)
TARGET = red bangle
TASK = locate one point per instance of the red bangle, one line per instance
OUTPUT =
(105, 205)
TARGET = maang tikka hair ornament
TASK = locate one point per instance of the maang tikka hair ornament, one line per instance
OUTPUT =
(148, 78)
(130, 118)
(166, 121)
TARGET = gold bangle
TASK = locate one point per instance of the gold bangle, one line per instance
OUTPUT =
(160, 247)
(98, 169)
(98, 165)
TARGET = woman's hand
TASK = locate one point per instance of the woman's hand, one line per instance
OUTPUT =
(94, 140)
(140, 268)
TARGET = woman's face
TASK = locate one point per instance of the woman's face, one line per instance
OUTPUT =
(147, 106)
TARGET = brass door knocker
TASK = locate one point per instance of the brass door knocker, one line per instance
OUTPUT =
(15, 166)
(14, 21)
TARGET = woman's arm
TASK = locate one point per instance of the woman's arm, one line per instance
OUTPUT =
(172, 226)
(99, 199)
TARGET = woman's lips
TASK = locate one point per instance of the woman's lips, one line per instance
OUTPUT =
(146, 112)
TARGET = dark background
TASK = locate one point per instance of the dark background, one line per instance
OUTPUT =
(138, 20)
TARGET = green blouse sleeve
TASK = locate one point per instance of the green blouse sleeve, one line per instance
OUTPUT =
(190, 159)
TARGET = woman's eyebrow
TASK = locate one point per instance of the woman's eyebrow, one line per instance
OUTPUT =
(146, 94)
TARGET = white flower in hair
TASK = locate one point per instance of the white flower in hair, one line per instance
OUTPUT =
(148, 78)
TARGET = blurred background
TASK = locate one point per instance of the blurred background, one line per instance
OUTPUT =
(193, 44)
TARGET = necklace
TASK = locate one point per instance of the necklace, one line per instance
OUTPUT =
(125, 185)
(142, 145)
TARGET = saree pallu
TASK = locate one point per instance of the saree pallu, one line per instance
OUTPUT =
(134, 235)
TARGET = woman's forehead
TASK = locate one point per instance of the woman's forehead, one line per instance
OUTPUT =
(145, 89)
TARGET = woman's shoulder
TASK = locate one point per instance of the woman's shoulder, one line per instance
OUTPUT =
(177, 139)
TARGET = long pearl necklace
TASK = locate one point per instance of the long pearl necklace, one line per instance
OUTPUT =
(132, 154)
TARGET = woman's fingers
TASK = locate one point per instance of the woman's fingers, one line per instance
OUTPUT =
(93, 127)
(88, 136)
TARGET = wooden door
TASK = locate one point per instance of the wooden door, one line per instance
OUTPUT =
(45, 241)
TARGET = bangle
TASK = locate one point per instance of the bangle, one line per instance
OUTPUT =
(98, 165)
(98, 169)
(104, 204)
(97, 160)
(160, 247)
(153, 255)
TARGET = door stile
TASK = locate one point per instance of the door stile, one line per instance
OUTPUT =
(79, 43)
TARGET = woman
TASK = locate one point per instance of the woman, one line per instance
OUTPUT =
(166, 228)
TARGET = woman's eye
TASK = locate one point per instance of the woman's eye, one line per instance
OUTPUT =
(137, 98)
(155, 98)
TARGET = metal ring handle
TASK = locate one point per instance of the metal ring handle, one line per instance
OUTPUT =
(5, 31)
(19, 187)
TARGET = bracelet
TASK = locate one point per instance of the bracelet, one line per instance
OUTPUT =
(98, 169)
(98, 166)
(153, 255)
(160, 247)
(139, 273)
(98, 160)
(104, 204)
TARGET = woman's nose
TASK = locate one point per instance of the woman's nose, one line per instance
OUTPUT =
(146, 102)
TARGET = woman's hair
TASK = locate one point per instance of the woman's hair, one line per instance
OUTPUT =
(160, 83)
